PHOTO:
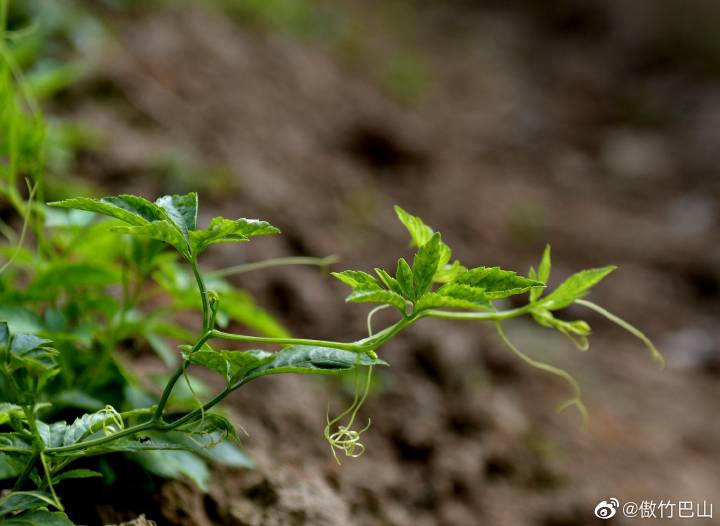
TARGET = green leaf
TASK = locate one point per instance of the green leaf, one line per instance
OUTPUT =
(228, 454)
(131, 209)
(543, 274)
(52, 434)
(404, 276)
(11, 465)
(162, 230)
(389, 282)
(9, 410)
(230, 364)
(357, 279)
(88, 424)
(419, 231)
(496, 282)
(425, 264)
(175, 465)
(421, 234)
(20, 319)
(223, 230)
(38, 518)
(575, 287)
(378, 296)
(14, 442)
(182, 210)
(4, 333)
(450, 272)
(545, 265)
(18, 501)
(308, 359)
(32, 353)
(455, 296)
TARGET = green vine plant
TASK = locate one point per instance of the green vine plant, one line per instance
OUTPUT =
(433, 286)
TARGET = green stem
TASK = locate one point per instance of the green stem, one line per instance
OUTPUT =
(157, 417)
(480, 316)
(364, 345)
(203, 294)
(48, 478)
(276, 262)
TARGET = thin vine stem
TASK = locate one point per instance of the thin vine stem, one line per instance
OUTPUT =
(275, 262)
(657, 356)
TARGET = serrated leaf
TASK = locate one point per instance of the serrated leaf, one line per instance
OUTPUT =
(378, 296)
(162, 230)
(230, 364)
(575, 287)
(389, 282)
(223, 230)
(86, 425)
(38, 518)
(357, 279)
(543, 273)
(432, 300)
(307, 359)
(32, 353)
(455, 296)
(132, 209)
(18, 501)
(419, 231)
(496, 282)
(52, 434)
(421, 234)
(449, 272)
(545, 265)
(404, 276)
(425, 264)
(182, 210)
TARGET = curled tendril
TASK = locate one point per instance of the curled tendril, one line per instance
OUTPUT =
(576, 398)
(345, 438)
(112, 421)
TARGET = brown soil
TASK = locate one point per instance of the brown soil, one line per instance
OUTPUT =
(528, 133)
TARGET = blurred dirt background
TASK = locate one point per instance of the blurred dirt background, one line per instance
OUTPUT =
(590, 125)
